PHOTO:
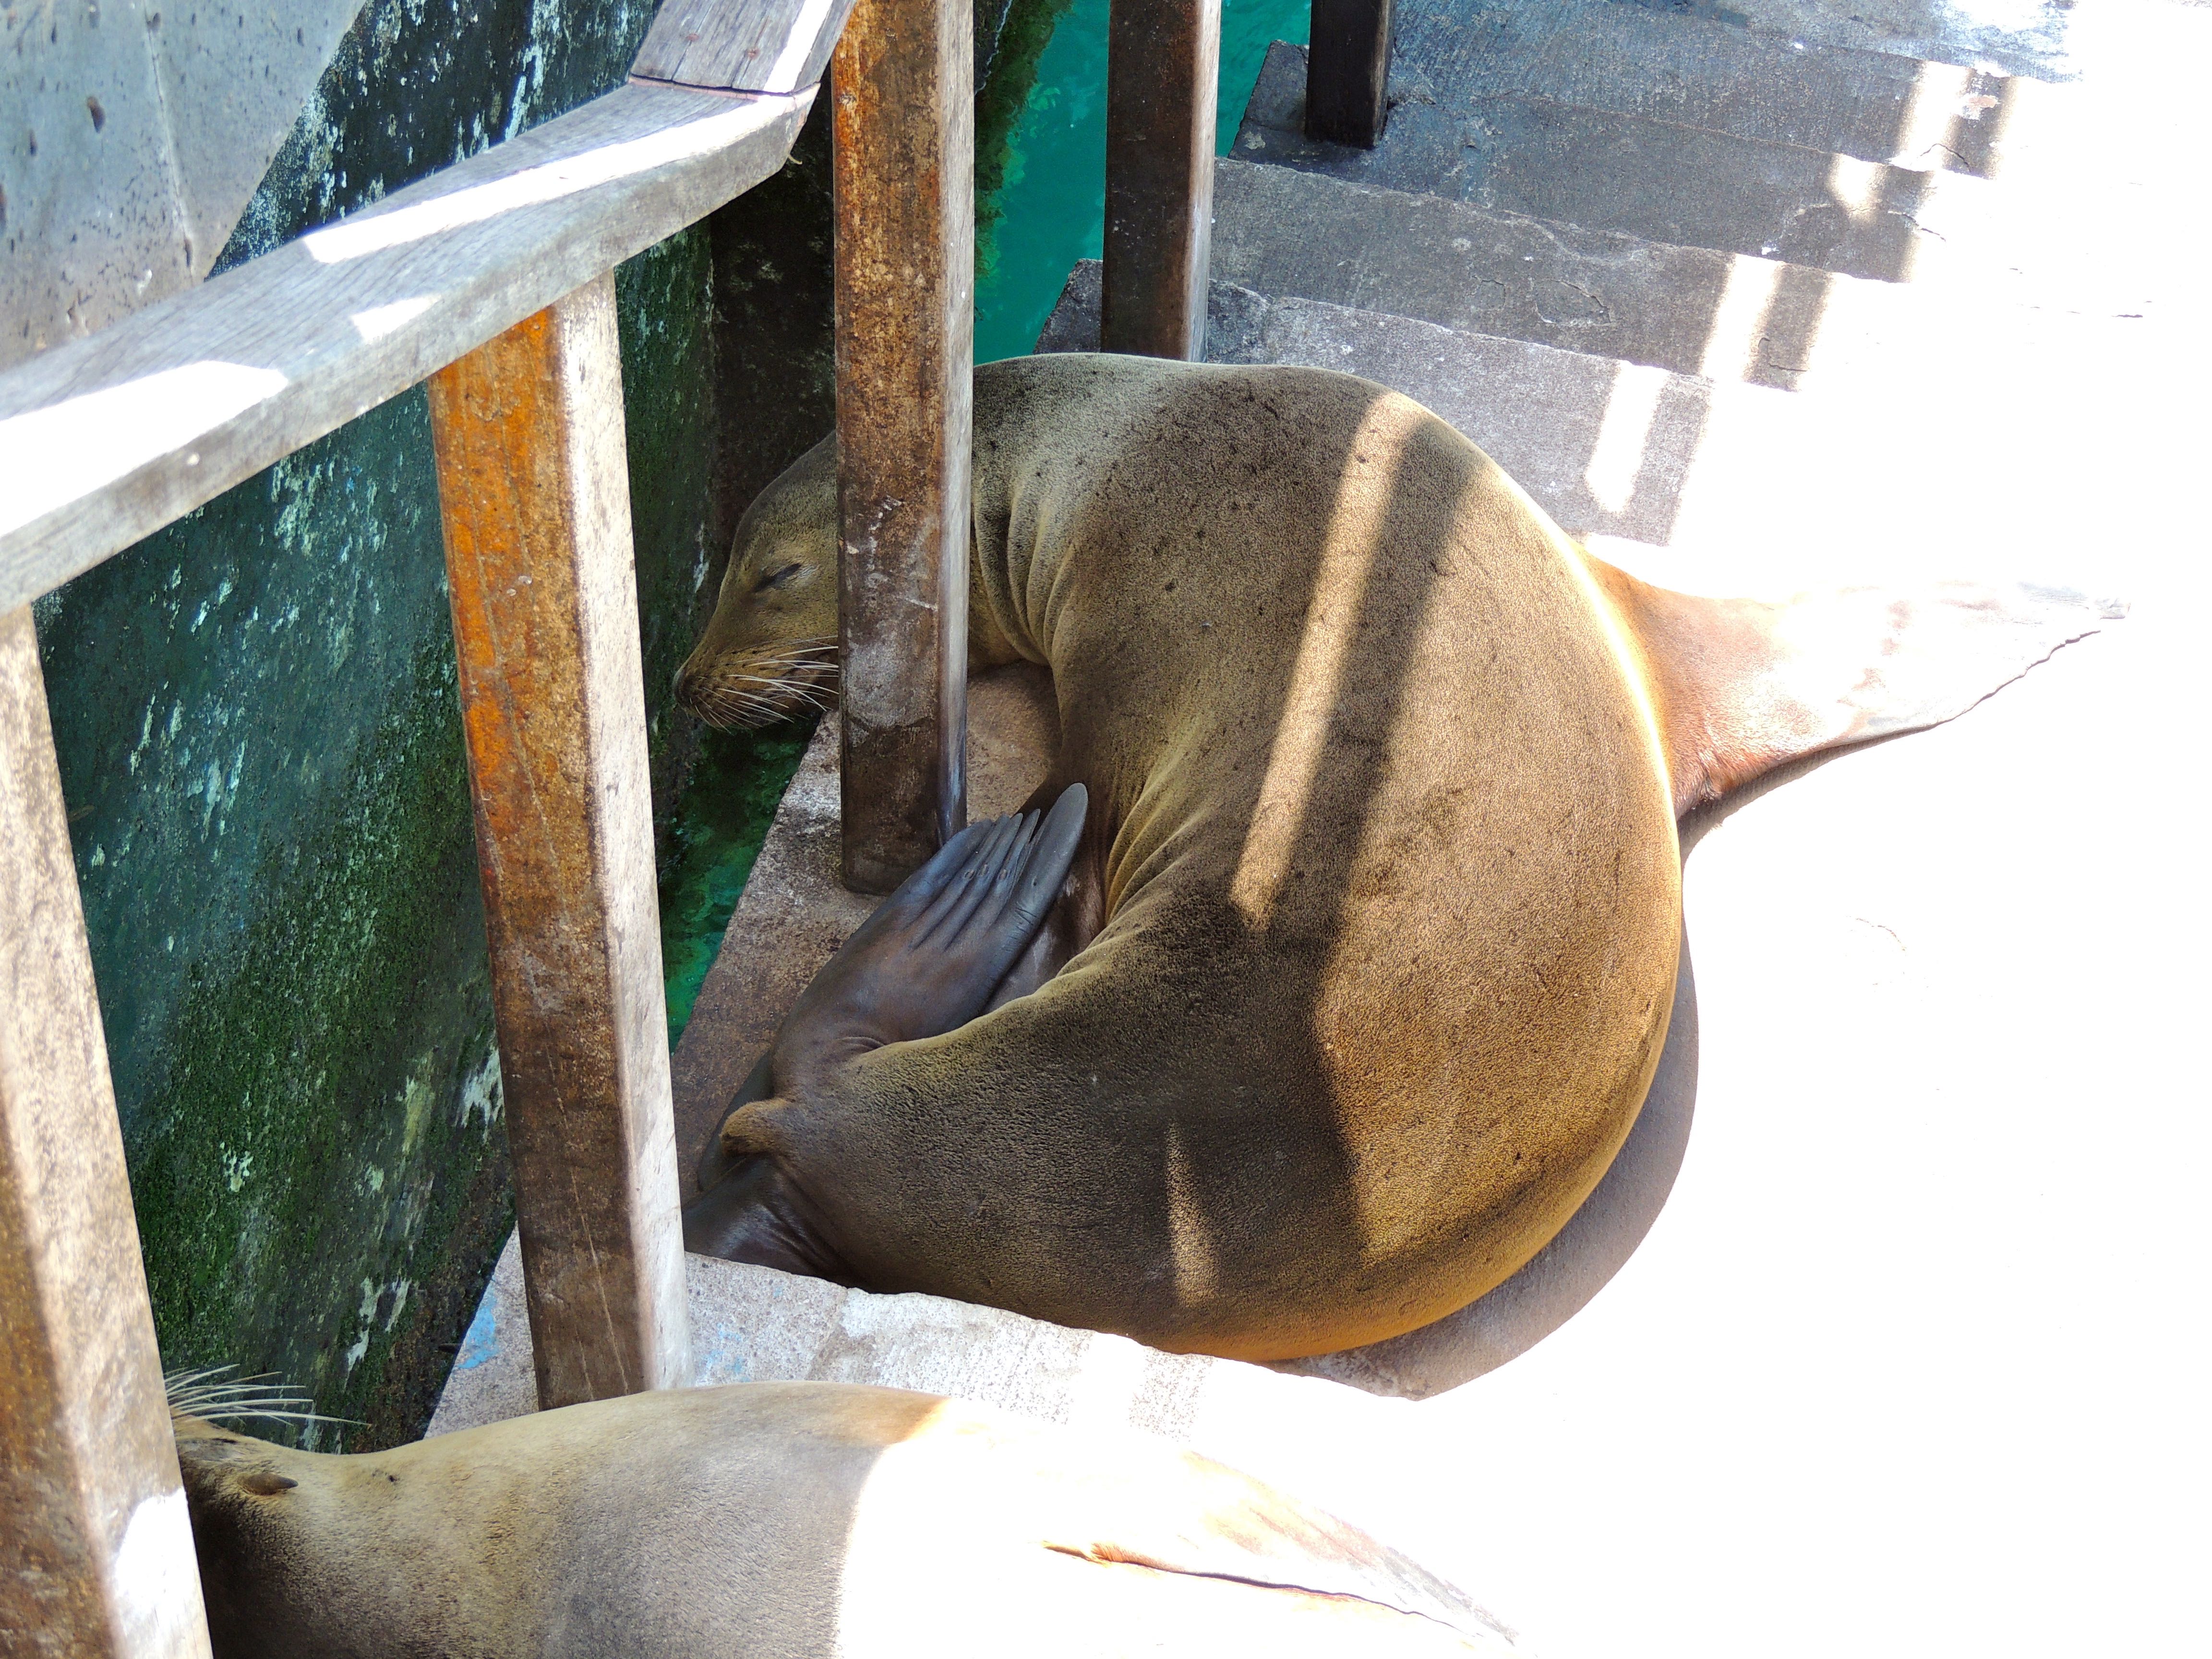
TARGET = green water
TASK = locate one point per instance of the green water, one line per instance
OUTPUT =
(1040, 206)
(1049, 207)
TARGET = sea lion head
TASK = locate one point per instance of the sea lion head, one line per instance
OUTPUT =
(771, 650)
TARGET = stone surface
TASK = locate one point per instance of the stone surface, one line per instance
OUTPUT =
(1700, 72)
(1609, 171)
(755, 1325)
(2036, 241)
(1726, 317)
(136, 141)
(1907, 1352)
(1477, 271)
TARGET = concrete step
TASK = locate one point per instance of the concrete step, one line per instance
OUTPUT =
(1727, 316)
(1608, 171)
(1942, 109)
(1696, 71)
(1485, 272)
(1901, 477)
(1684, 185)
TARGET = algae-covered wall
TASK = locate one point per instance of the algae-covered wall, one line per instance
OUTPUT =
(261, 750)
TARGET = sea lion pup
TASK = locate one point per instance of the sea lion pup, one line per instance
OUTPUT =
(1375, 924)
(784, 1521)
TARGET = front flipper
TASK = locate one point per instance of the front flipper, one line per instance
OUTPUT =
(1742, 686)
(925, 963)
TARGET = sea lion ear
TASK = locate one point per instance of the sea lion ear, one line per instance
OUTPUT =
(1741, 686)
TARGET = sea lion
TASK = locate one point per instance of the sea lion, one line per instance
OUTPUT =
(1371, 942)
(785, 1519)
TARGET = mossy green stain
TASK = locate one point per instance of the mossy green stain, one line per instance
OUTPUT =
(262, 755)
(720, 821)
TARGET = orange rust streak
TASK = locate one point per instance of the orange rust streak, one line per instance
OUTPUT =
(502, 432)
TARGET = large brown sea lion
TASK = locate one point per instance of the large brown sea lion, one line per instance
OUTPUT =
(785, 1521)
(1368, 950)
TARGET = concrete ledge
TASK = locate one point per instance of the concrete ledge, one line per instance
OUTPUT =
(755, 1325)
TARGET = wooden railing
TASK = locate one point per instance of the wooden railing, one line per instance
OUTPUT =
(491, 280)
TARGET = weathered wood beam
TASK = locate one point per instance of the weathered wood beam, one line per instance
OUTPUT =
(1348, 71)
(1163, 60)
(905, 170)
(533, 488)
(105, 439)
(741, 45)
(95, 1543)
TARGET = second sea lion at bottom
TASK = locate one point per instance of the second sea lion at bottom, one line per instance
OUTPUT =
(788, 1521)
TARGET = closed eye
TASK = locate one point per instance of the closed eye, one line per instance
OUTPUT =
(777, 578)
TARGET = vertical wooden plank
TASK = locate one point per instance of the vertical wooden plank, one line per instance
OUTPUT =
(1163, 60)
(1348, 71)
(533, 486)
(95, 1542)
(904, 121)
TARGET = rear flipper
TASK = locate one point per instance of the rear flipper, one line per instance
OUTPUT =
(1742, 686)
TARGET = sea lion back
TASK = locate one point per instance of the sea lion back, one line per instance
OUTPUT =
(1369, 766)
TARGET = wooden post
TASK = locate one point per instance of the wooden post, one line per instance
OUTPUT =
(1162, 61)
(904, 122)
(95, 1542)
(1348, 71)
(533, 486)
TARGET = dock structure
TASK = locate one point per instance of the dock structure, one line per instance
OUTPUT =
(1897, 1331)
(1753, 303)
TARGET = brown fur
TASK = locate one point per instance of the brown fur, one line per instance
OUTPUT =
(781, 1520)
(1384, 772)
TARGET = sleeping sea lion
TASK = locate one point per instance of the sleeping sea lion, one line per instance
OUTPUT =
(782, 1520)
(1366, 954)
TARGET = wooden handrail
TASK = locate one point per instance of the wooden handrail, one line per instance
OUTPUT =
(106, 439)
(903, 130)
(493, 276)
(502, 262)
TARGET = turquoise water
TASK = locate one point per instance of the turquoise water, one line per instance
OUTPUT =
(1043, 166)
(1050, 202)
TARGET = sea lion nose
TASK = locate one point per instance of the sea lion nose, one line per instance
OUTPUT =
(685, 682)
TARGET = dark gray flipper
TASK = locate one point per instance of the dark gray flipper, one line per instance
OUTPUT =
(925, 963)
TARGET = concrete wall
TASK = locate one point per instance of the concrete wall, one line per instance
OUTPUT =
(261, 750)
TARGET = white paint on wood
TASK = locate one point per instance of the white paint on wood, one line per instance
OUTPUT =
(741, 45)
(235, 374)
(95, 1552)
(620, 807)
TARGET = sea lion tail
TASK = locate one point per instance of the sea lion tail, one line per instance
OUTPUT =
(1743, 686)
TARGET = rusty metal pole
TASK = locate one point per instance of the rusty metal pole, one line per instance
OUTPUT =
(1348, 71)
(903, 109)
(1163, 60)
(533, 486)
(95, 1543)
